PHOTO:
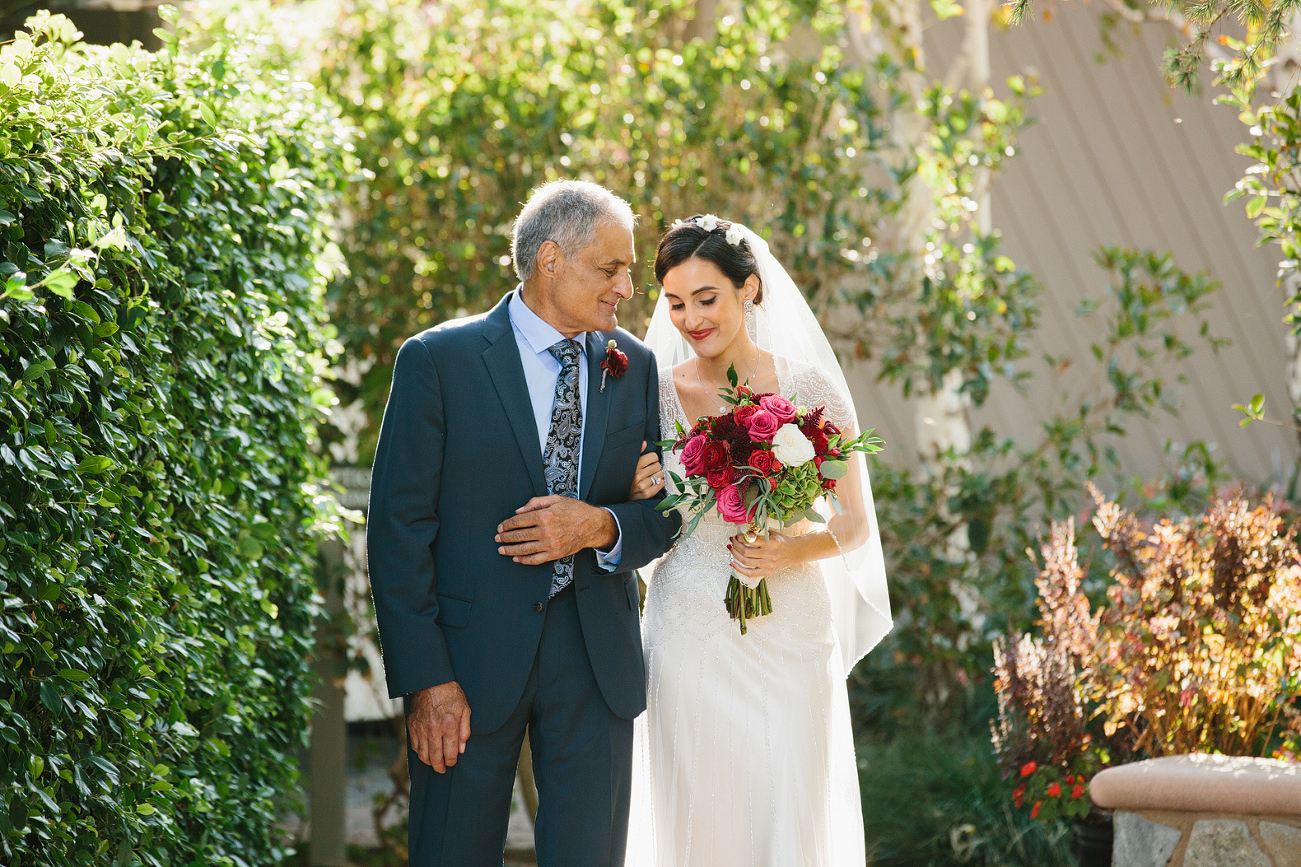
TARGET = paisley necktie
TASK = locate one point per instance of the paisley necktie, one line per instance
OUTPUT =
(561, 457)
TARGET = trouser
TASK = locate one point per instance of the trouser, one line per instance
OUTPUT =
(582, 763)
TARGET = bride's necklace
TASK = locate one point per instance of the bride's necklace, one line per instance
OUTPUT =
(757, 358)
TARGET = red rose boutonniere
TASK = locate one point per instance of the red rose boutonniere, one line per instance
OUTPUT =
(615, 364)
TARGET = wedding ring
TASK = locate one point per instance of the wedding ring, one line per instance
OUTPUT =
(751, 538)
(657, 479)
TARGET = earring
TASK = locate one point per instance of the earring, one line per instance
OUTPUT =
(749, 307)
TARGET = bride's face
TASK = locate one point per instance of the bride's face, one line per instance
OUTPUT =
(706, 308)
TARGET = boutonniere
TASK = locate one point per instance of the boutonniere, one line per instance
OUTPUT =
(615, 364)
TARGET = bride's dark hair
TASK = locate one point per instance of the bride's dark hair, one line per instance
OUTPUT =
(691, 241)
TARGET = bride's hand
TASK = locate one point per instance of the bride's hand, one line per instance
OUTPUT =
(762, 557)
(649, 479)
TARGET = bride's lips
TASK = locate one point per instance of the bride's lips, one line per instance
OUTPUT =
(700, 335)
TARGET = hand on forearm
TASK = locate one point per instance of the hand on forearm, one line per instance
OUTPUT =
(439, 724)
(549, 528)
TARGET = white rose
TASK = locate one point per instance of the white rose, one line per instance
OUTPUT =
(735, 236)
(709, 222)
(791, 447)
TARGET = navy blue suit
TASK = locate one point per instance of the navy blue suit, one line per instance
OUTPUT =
(458, 454)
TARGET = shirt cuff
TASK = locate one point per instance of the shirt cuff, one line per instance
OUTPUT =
(609, 560)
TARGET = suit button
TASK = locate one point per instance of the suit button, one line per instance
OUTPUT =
(539, 607)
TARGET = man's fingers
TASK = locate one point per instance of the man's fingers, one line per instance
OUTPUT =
(523, 549)
(534, 504)
(536, 559)
(465, 728)
(450, 748)
(519, 537)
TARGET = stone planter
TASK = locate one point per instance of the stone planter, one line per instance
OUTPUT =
(1203, 811)
(1093, 841)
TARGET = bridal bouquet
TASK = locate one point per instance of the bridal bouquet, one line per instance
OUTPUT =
(766, 460)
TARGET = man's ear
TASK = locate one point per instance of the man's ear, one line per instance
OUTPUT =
(550, 259)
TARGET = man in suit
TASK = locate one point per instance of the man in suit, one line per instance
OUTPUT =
(501, 546)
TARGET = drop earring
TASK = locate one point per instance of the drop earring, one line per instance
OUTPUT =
(749, 307)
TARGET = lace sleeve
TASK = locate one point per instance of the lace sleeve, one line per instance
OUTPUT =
(812, 387)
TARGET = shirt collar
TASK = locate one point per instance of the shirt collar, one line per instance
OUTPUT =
(539, 334)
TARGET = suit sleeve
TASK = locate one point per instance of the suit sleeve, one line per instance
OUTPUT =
(402, 524)
(646, 532)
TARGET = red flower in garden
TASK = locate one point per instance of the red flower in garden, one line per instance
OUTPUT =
(1078, 790)
(1054, 789)
(1034, 811)
(1018, 795)
(1029, 768)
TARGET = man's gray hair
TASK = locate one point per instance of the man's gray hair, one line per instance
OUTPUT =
(567, 213)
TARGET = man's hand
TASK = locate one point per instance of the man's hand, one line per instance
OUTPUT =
(439, 724)
(548, 528)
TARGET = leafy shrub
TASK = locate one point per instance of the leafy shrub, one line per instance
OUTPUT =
(161, 328)
(1194, 651)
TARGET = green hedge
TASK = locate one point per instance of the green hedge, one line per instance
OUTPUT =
(162, 261)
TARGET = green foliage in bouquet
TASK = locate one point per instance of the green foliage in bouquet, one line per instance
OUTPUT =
(162, 270)
(1194, 651)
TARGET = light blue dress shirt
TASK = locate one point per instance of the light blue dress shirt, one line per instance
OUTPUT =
(535, 337)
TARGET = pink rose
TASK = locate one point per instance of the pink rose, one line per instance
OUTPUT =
(731, 506)
(693, 455)
(778, 406)
(763, 425)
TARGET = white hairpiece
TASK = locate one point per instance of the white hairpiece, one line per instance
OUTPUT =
(735, 231)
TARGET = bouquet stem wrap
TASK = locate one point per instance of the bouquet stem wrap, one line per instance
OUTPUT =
(744, 602)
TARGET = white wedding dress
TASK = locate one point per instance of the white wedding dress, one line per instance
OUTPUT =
(745, 755)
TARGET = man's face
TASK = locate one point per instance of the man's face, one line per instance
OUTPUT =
(590, 284)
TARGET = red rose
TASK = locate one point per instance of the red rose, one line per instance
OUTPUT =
(1029, 768)
(693, 455)
(719, 478)
(744, 414)
(778, 406)
(763, 425)
(731, 506)
(744, 391)
(717, 456)
(1054, 789)
(1078, 790)
(762, 462)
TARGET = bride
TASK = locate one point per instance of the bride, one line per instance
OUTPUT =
(745, 755)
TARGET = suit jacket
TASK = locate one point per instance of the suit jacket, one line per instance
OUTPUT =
(458, 454)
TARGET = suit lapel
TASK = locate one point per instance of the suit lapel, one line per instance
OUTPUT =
(598, 411)
(503, 363)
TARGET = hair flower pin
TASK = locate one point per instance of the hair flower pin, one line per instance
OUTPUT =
(709, 222)
(615, 364)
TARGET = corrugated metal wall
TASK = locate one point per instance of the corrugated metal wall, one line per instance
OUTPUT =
(1117, 157)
